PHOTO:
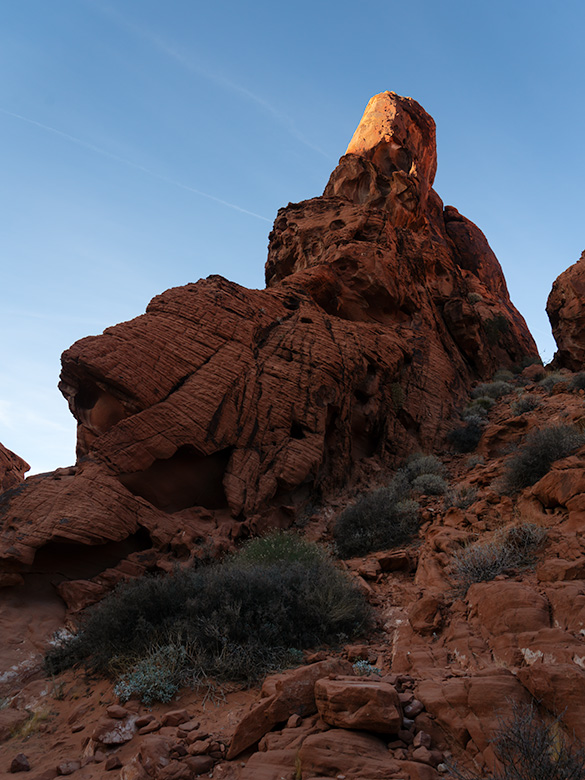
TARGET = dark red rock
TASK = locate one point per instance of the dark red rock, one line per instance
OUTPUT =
(12, 469)
(566, 311)
(19, 763)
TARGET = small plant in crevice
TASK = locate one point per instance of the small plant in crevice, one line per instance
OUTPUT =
(495, 328)
(510, 548)
(538, 451)
(365, 669)
(529, 746)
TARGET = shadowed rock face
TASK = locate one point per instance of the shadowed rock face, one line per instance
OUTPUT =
(566, 311)
(222, 410)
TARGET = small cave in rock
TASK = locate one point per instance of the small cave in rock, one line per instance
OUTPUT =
(186, 479)
(97, 409)
(73, 561)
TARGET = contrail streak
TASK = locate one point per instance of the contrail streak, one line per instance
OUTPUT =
(104, 152)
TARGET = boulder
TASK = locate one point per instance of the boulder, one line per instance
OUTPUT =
(362, 704)
(566, 311)
(12, 469)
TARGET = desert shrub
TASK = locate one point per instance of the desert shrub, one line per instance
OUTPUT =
(429, 484)
(156, 677)
(550, 380)
(466, 437)
(419, 464)
(365, 669)
(528, 747)
(492, 389)
(462, 498)
(480, 405)
(526, 403)
(537, 453)
(503, 375)
(474, 297)
(235, 620)
(495, 328)
(378, 520)
(280, 547)
(578, 381)
(511, 548)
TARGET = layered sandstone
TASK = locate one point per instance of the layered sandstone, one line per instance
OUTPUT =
(222, 411)
(566, 311)
(12, 469)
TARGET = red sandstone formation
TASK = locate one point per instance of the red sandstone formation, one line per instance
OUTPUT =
(566, 310)
(12, 469)
(222, 410)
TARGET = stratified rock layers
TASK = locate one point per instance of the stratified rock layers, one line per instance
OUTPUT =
(222, 410)
(12, 469)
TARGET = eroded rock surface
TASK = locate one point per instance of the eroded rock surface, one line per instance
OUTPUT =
(12, 469)
(222, 411)
(566, 311)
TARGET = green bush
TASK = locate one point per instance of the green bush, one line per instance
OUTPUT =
(495, 389)
(503, 375)
(550, 380)
(236, 620)
(462, 498)
(528, 747)
(537, 453)
(429, 484)
(479, 406)
(466, 437)
(511, 548)
(378, 520)
(419, 464)
(526, 403)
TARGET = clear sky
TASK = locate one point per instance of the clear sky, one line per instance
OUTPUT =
(149, 143)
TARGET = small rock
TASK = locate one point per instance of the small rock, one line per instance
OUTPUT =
(68, 767)
(422, 739)
(199, 765)
(294, 721)
(20, 763)
(406, 736)
(426, 756)
(176, 770)
(190, 725)
(178, 751)
(99, 756)
(200, 748)
(117, 711)
(144, 720)
(175, 717)
(77, 728)
(414, 708)
(195, 736)
(154, 725)
(112, 762)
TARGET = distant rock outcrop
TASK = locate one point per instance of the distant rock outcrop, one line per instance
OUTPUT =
(222, 411)
(566, 311)
(12, 469)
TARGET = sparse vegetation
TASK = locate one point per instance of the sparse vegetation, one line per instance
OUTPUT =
(526, 403)
(578, 381)
(495, 389)
(550, 380)
(234, 620)
(388, 516)
(479, 406)
(466, 437)
(537, 454)
(462, 498)
(429, 484)
(503, 375)
(528, 747)
(511, 548)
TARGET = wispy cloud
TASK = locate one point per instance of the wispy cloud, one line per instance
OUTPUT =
(172, 51)
(122, 160)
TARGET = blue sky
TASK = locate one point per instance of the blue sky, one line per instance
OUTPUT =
(147, 144)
